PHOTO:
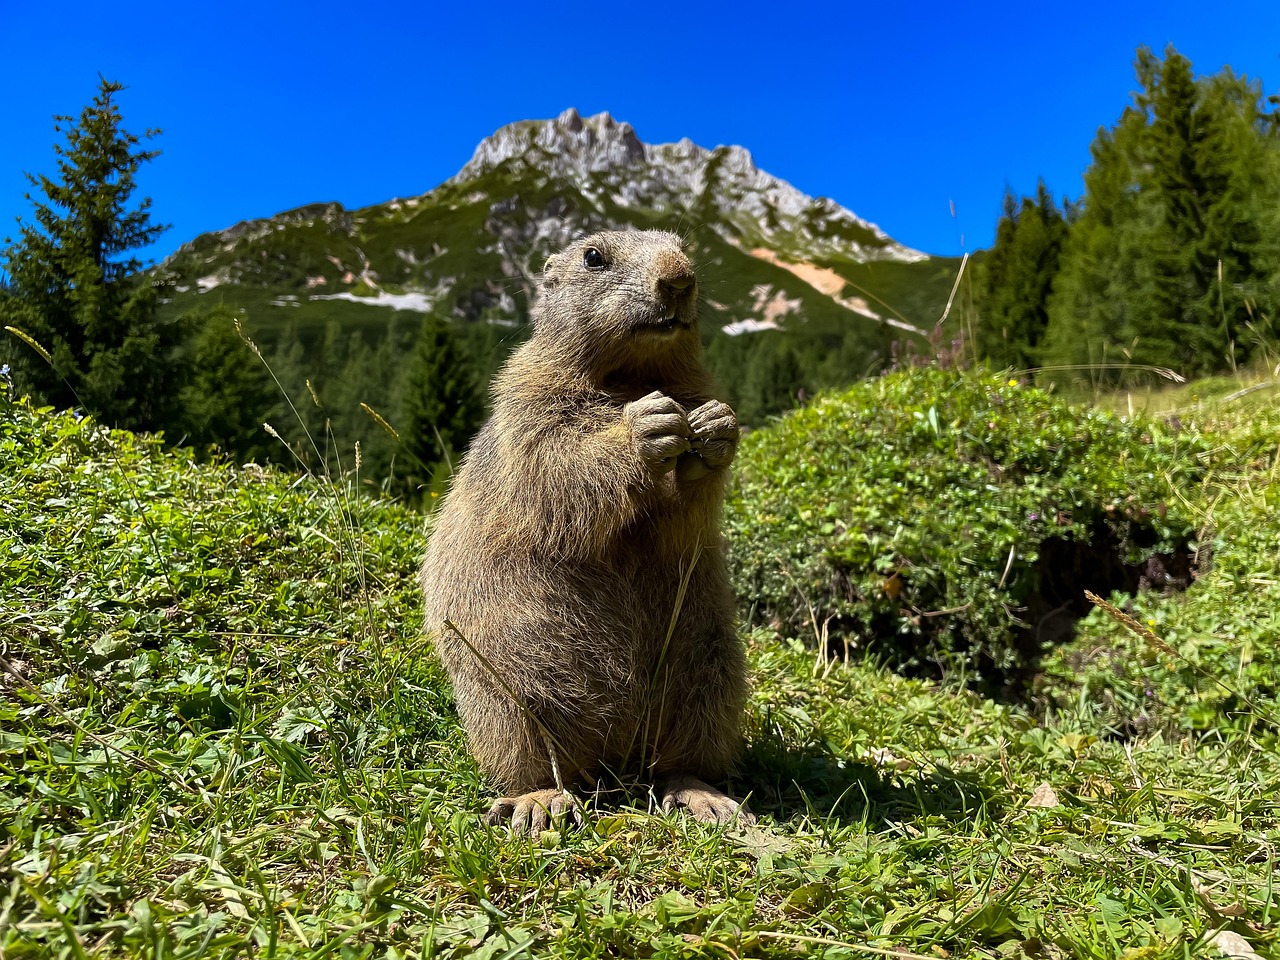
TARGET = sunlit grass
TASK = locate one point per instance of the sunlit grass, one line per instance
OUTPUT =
(222, 734)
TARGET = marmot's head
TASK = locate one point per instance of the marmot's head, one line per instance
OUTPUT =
(622, 295)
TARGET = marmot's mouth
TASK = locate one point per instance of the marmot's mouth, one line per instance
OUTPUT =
(665, 324)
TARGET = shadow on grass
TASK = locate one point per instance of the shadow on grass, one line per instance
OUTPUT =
(789, 783)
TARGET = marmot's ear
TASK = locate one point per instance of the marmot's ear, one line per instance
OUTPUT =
(548, 281)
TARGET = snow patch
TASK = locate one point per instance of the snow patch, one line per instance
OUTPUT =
(748, 326)
(420, 302)
(773, 306)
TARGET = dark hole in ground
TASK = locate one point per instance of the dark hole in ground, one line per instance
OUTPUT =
(1064, 569)
(1067, 568)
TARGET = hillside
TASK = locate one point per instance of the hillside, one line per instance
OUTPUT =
(471, 248)
(222, 734)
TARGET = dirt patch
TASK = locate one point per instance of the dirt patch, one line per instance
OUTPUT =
(825, 281)
(831, 284)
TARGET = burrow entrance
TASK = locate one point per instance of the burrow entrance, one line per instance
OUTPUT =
(1066, 568)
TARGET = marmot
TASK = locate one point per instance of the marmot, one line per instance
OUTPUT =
(577, 556)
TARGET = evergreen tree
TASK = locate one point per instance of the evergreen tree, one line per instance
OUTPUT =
(1017, 278)
(773, 381)
(1174, 259)
(1088, 308)
(1240, 248)
(229, 396)
(443, 406)
(75, 286)
(1171, 252)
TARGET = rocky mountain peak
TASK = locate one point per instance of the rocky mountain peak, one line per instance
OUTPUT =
(476, 246)
(601, 157)
(587, 145)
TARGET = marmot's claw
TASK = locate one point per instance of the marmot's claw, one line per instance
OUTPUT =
(705, 802)
(655, 403)
(715, 433)
(660, 429)
(718, 453)
(714, 420)
(531, 813)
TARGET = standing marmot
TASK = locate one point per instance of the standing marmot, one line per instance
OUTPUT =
(578, 552)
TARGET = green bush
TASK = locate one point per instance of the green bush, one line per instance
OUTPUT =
(135, 580)
(909, 513)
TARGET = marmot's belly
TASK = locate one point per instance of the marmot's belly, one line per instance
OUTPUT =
(580, 627)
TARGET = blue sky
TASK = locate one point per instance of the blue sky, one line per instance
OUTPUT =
(896, 110)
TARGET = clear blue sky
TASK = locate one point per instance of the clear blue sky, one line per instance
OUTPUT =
(896, 110)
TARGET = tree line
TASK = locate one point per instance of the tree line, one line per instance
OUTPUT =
(87, 330)
(1170, 259)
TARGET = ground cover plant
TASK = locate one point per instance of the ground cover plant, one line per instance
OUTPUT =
(222, 735)
(1214, 658)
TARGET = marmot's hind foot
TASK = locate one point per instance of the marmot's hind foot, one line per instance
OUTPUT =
(704, 801)
(531, 813)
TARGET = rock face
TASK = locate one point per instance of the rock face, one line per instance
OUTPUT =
(569, 144)
(599, 152)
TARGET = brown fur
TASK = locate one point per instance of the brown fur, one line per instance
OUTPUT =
(592, 492)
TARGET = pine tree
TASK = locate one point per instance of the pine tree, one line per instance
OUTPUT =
(1174, 259)
(443, 406)
(1088, 324)
(75, 285)
(1017, 279)
(1168, 240)
(1239, 158)
(773, 381)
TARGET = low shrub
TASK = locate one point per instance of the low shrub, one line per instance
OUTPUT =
(954, 519)
(1207, 659)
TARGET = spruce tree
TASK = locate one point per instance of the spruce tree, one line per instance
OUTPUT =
(443, 406)
(74, 282)
(773, 380)
(1017, 279)
(1239, 158)
(1088, 329)
(1170, 252)
(1174, 259)
(229, 396)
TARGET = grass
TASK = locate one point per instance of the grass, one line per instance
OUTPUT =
(222, 735)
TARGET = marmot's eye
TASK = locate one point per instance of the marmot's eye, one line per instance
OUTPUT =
(593, 258)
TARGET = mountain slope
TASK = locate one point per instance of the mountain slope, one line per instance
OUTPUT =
(472, 247)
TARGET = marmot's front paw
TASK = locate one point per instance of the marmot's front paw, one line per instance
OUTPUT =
(659, 428)
(715, 433)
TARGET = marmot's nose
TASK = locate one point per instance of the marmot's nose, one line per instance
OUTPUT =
(677, 284)
(675, 273)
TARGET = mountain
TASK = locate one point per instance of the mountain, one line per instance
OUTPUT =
(769, 256)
